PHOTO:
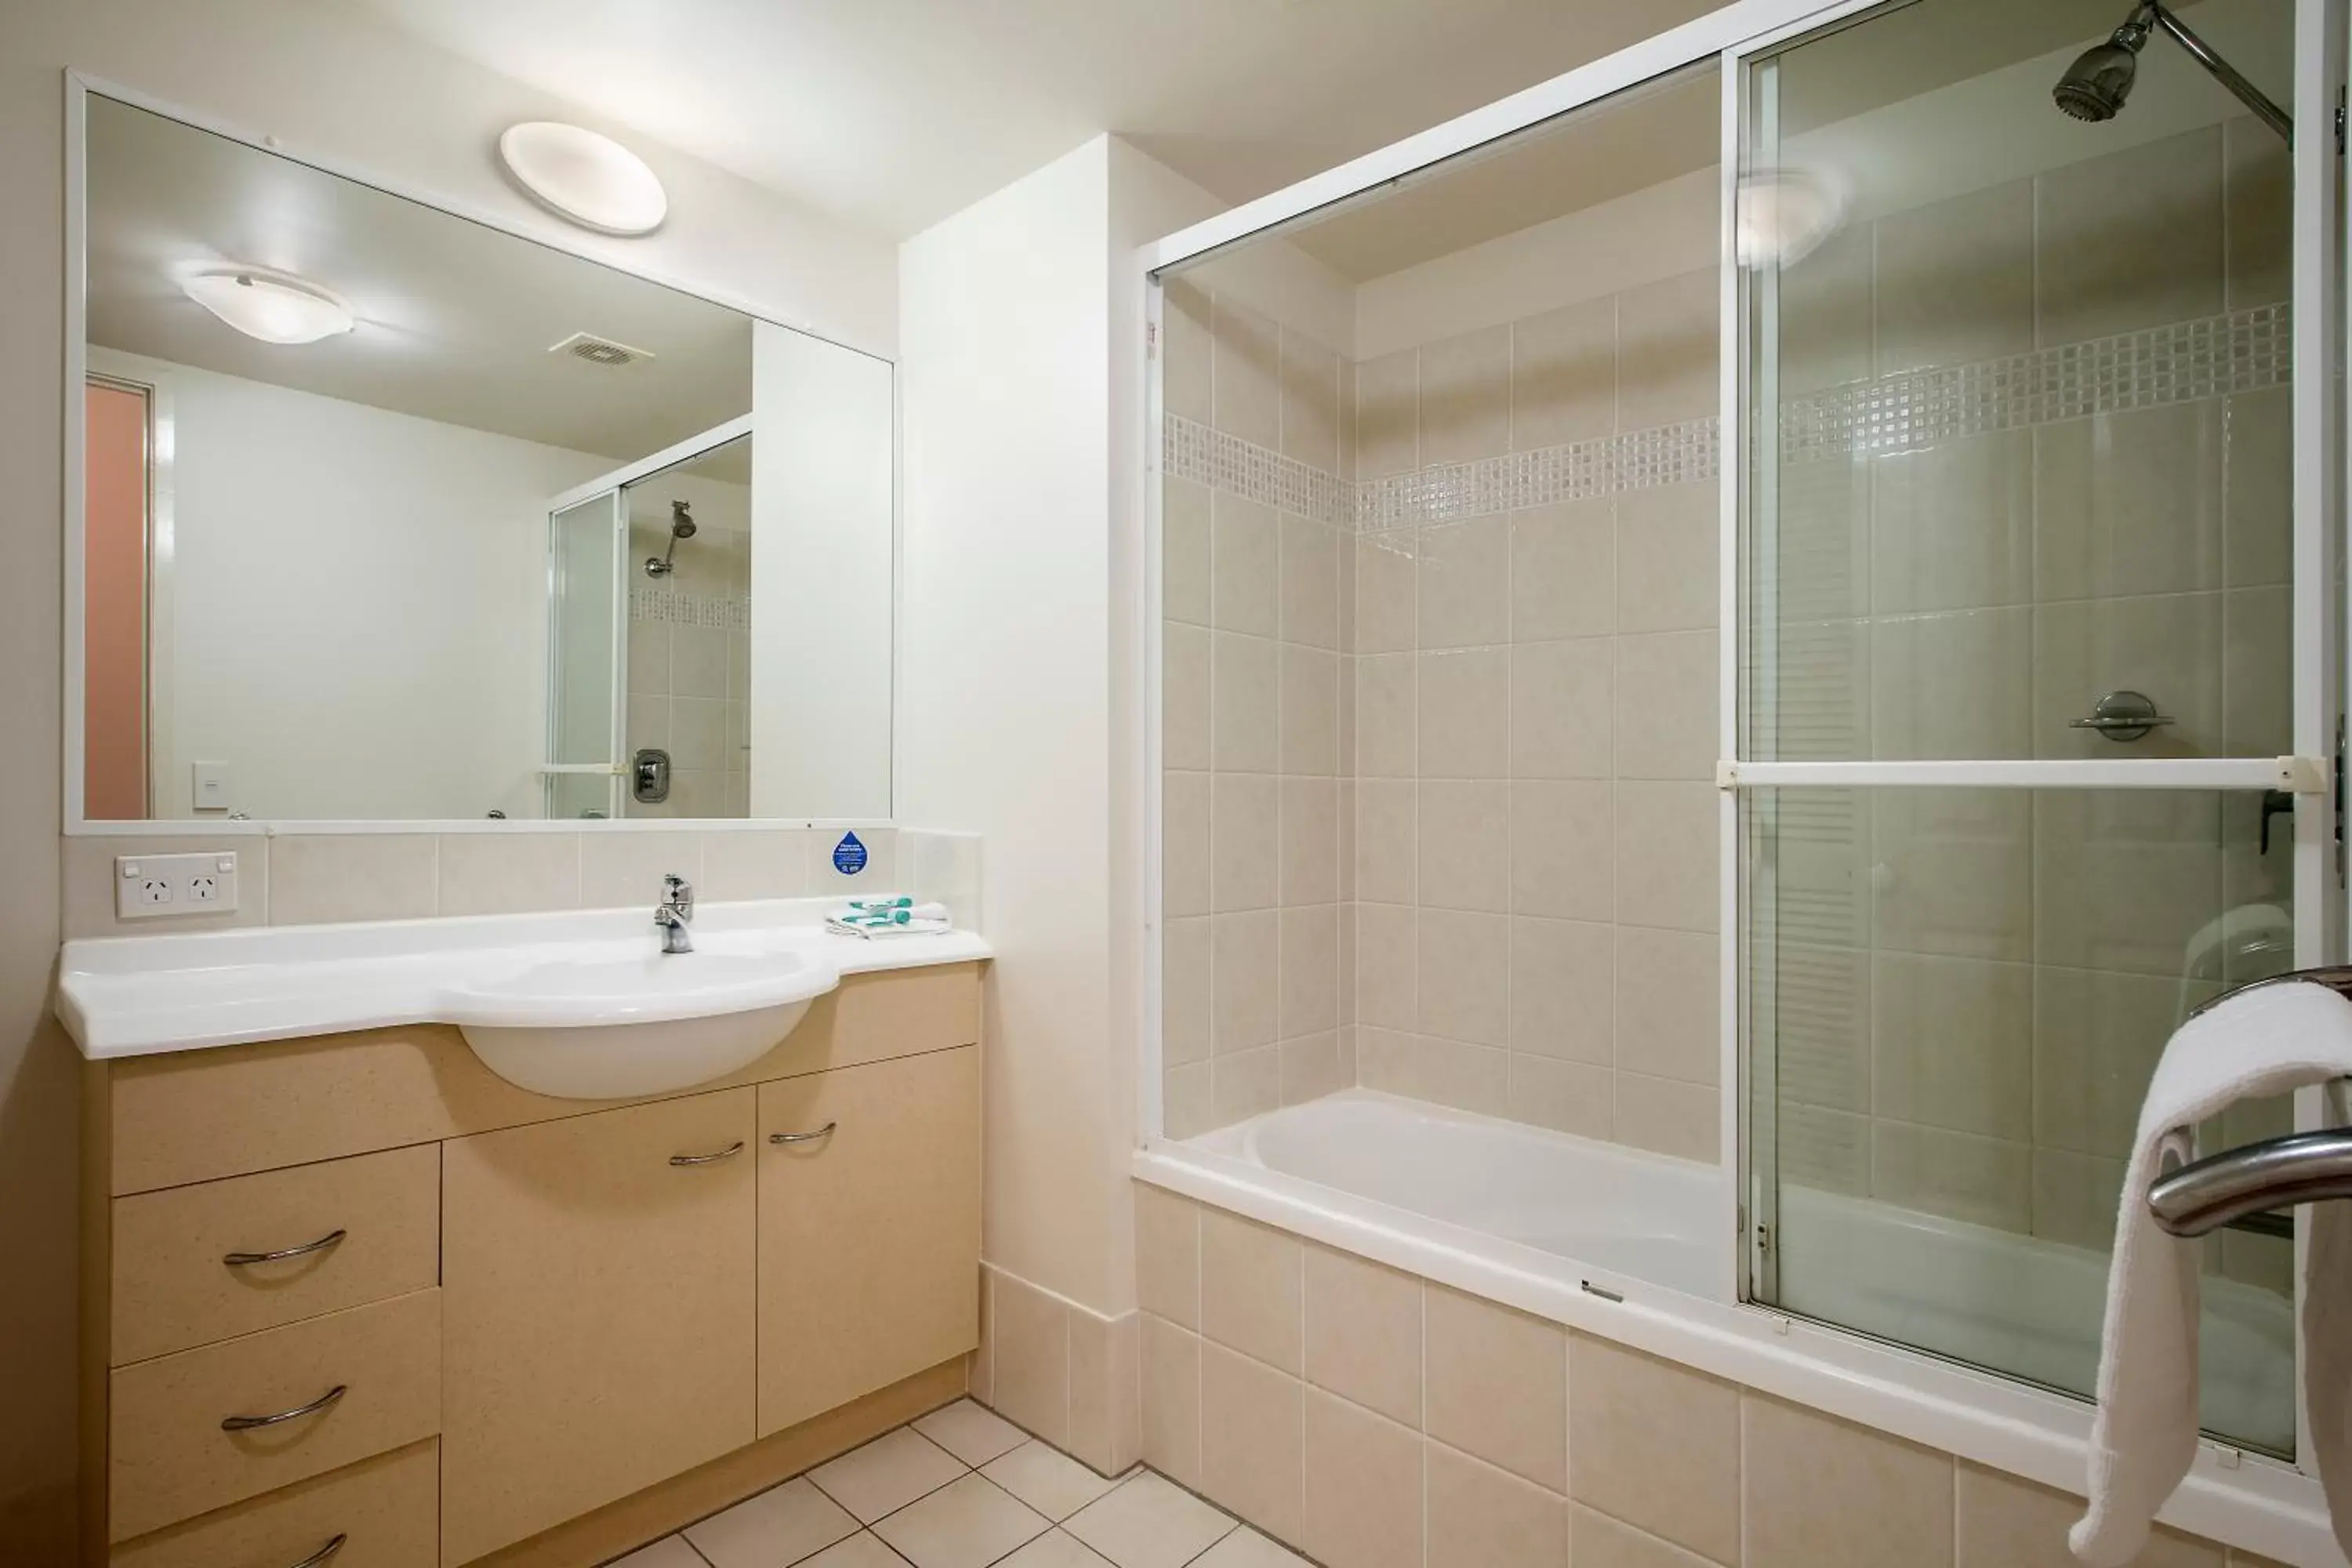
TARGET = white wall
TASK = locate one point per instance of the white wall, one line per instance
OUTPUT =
(328, 83)
(1022, 338)
(822, 549)
(359, 604)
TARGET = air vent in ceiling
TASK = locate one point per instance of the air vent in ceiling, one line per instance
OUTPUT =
(599, 350)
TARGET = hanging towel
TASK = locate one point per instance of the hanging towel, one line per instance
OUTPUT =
(2266, 1041)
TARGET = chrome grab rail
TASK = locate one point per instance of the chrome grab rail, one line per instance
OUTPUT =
(2301, 1168)
(253, 1423)
(823, 1131)
(248, 1260)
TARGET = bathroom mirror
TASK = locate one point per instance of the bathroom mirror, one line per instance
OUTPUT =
(387, 514)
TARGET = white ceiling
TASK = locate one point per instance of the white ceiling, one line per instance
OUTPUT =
(455, 320)
(892, 114)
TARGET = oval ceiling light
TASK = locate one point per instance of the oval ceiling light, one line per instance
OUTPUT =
(590, 179)
(274, 307)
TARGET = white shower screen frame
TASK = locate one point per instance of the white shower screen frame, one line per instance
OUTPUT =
(2264, 1504)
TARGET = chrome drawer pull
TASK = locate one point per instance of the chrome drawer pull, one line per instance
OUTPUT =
(823, 1131)
(248, 1260)
(248, 1423)
(325, 1554)
(729, 1153)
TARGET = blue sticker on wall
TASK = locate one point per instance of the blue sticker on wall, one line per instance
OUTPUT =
(849, 855)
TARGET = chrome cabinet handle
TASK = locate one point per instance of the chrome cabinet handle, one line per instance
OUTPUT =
(248, 1423)
(325, 1554)
(729, 1153)
(823, 1131)
(248, 1260)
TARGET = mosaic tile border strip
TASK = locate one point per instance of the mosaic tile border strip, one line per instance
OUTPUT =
(2242, 350)
(681, 608)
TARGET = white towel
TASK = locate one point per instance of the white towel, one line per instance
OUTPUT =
(2267, 1041)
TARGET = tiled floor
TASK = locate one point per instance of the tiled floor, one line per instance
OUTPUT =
(962, 1488)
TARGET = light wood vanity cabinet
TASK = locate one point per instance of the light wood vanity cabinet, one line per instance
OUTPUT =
(535, 1308)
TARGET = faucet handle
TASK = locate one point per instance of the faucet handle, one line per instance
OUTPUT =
(678, 893)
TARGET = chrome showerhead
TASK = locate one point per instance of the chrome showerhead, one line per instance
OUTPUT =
(2096, 84)
(681, 526)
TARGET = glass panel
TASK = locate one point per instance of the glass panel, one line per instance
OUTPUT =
(583, 565)
(1957, 998)
(2018, 394)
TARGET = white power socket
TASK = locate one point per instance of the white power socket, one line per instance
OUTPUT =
(150, 886)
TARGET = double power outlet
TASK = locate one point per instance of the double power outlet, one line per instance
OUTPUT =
(149, 885)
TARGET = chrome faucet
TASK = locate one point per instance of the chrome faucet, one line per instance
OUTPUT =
(673, 913)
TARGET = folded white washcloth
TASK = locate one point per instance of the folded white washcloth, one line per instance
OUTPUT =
(885, 915)
(2268, 1041)
(872, 929)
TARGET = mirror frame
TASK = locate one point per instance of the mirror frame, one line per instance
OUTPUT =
(79, 87)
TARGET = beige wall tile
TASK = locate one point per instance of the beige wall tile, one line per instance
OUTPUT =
(1821, 1493)
(1465, 845)
(1032, 1381)
(1168, 1254)
(2123, 883)
(750, 864)
(1952, 1043)
(1184, 697)
(2257, 672)
(1960, 871)
(1384, 1059)
(1564, 376)
(1245, 565)
(1314, 1065)
(1386, 701)
(1826, 314)
(1363, 1488)
(2258, 486)
(1665, 720)
(1465, 723)
(2129, 240)
(1246, 955)
(1387, 965)
(1565, 1096)
(1952, 524)
(1984, 1180)
(1655, 1444)
(1668, 541)
(1561, 718)
(1496, 1385)
(1310, 971)
(1562, 988)
(1246, 702)
(1186, 883)
(1388, 590)
(1310, 402)
(2004, 1522)
(1106, 1395)
(1245, 1084)
(1388, 414)
(1666, 347)
(1363, 1332)
(1563, 571)
(1563, 850)
(1250, 1288)
(1959, 684)
(1667, 871)
(1309, 717)
(1464, 981)
(1465, 1077)
(1252, 1440)
(2259, 213)
(88, 873)
(1955, 279)
(1246, 837)
(1388, 813)
(622, 870)
(1597, 1541)
(1185, 532)
(1684, 1120)
(1310, 581)
(1246, 375)
(2129, 502)
(2096, 1038)
(1186, 319)
(1188, 1101)
(1465, 591)
(1480, 1517)
(499, 873)
(1171, 1401)
(320, 876)
(1668, 1003)
(1465, 398)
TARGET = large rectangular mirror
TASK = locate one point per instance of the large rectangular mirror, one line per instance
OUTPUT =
(389, 514)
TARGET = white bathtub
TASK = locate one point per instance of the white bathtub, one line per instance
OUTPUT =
(1623, 1219)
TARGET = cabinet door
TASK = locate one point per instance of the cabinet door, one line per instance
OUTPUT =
(598, 1285)
(869, 1233)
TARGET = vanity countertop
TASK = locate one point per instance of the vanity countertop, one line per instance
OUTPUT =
(143, 995)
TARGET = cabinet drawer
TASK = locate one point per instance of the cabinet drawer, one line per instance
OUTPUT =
(174, 1287)
(387, 1511)
(169, 1457)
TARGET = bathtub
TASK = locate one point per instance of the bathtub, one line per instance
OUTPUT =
(1637, 1245)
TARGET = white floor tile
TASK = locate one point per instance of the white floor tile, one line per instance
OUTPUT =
(1148, 1522)
(780, 1526)
(1054, 1550)
(1046, 1479)
(669, 1551)
(968, 1525)
(972, 1432)
(887, 1473)
(1245, 1548)
(864, 1550)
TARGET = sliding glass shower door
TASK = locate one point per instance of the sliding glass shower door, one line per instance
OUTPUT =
(2015, 667)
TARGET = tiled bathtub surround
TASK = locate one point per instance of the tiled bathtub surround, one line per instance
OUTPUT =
(1377, 1420)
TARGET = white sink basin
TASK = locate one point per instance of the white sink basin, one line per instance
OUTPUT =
(609, 1020)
